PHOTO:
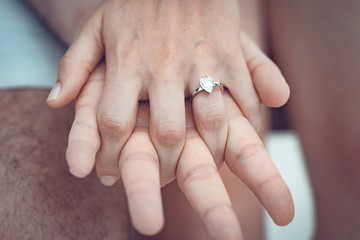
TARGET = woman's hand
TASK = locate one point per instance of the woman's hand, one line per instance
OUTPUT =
(196, 171)
(158, 51)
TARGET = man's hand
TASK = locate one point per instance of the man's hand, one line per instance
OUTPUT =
(196, 172)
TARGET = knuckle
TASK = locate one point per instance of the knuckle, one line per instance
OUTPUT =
(140, 156)
(86, 123)
(169, 133)
(65, 62)
(144, 183)
(216, 208)
(72, 62)
(202, 49)
(257, 63)
(270, 181)
(248, 152)
(82, 106)
(141, 187)
(107, 165)
(202, 173)
(113, 126)
(259, 68)
(213, 118)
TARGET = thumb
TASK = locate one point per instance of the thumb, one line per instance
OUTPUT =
(78, 63)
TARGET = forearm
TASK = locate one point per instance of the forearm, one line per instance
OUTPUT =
(64, 17)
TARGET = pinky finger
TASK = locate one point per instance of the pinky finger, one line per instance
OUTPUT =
(84, 138)
(269, 83)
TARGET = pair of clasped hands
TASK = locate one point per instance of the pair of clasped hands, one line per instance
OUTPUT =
(135, 120)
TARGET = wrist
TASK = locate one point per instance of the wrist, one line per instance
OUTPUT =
(65, 18)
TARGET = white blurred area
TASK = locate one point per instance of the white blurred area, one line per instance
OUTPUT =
(285, 150)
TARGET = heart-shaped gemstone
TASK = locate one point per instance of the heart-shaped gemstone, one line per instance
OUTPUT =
(207, 83)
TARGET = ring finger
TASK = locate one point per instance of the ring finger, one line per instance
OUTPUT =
(209, 113)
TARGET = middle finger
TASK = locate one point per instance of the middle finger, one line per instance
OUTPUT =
(167, 124)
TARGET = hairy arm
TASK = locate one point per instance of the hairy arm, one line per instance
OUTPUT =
(64, 17)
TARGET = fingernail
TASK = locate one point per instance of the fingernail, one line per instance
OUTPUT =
(54, 93)
(162, 185)
(108, 180)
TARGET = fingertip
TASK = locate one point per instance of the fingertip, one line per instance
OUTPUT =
(278, 202)
(59, 96)
(52, 99)
(151, 229)
(277, 94)
(166, 180)
(55, 91)
(286, 211)
(107, 173)
(284, 220)
(270, 84)
(79, 160)
(108, 181)
(77, 173)
(268, 80)
(147, 214)
(286, 94)
(53, 103)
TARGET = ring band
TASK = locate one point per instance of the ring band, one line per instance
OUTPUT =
(207, 84)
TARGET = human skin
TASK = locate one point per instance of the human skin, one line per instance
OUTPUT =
(33, 168)
(139, 165)
(256, 62)
(150, 57)
(181, 222)
(39, 198)
(316, 44)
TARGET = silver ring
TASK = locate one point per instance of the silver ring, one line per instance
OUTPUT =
(207, 84)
